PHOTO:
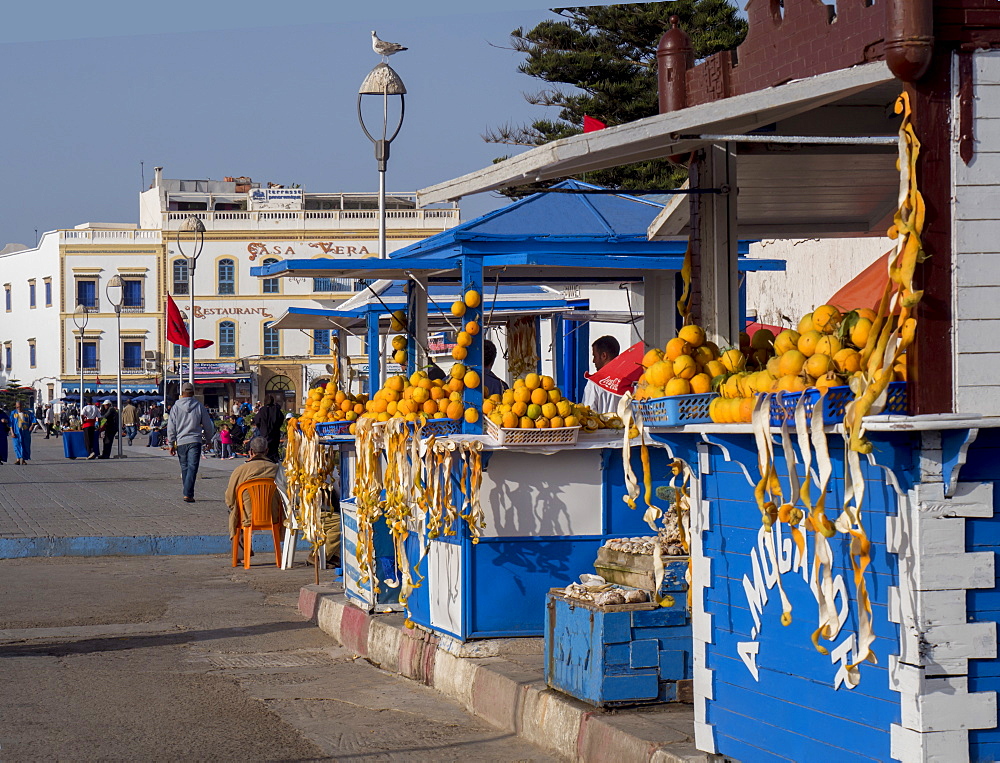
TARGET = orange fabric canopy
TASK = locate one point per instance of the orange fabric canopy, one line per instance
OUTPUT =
(865, 289)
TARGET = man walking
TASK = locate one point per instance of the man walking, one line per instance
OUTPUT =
(109, 426)
(268, 422)
(130, 421)
(187, 422)
(50, 422)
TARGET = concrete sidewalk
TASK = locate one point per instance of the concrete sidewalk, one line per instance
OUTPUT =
(54, 506)
(507, 688)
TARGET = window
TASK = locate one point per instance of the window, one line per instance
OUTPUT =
(227, 339)
(8, 361)
(132, 355)
(271, 284)
(132, 293)
(227, 277)
(180, 277)
(31, 293)
(321, 342)
(6, 290)
(324, 284)
(181, 350)
(89, 357)
(31, 353)
(272, 345)
(86, 292)
(48, 292)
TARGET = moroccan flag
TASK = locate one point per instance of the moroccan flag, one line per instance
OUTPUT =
(592, 125)
(177, 332)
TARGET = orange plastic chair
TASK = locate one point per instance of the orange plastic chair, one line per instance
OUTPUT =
(261, 492)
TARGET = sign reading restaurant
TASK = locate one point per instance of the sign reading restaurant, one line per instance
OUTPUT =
(205, 312)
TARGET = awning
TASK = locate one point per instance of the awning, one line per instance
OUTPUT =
(222, 379)
(663, 135)
(785, 190)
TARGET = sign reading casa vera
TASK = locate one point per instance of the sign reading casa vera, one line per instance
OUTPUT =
(311, 249)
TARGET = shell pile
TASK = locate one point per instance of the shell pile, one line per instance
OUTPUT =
(669, 545)
(602, 593)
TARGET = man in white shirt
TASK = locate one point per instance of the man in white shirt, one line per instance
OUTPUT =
(598, 399)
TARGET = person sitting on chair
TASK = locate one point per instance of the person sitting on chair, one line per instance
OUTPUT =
(257, 465)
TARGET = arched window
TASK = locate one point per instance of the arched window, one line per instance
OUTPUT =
(271, 284)
(227, 339)
(180, 276)
(272, 343)
(227, 277)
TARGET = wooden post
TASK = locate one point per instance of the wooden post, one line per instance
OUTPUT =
(718, 276)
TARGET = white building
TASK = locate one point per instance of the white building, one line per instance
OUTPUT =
(246, 225)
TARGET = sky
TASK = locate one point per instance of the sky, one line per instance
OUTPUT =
(88, 96)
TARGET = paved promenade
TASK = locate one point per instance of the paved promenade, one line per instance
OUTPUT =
(48, 506)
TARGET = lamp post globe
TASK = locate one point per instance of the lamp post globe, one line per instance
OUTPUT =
(194, 229)
(382, 82)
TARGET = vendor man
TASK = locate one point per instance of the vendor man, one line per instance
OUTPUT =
(598, 399)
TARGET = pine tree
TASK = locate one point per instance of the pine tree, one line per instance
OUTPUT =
(601, 61)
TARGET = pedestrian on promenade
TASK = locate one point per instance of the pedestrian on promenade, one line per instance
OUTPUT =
(187, 423)
(39, 418)
(268, 422)
(89, 415)
(22, 421)
(50, 422)
(109, 426)
(257, 466)
(130, 421)
(225, 441)
(4, 432)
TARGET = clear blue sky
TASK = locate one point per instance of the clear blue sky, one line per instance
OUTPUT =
(277, 104)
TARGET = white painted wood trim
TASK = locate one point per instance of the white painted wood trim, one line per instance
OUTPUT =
(936, 640)
(701, 621)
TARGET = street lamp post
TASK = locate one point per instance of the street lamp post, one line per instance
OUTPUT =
(115, 292)
(80, 318)
(196, 228)
(382, 81)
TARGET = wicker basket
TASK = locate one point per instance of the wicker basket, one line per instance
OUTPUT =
(834, 404)
(675, 411)
(526, 437)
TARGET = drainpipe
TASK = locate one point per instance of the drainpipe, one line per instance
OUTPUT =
(909, 40)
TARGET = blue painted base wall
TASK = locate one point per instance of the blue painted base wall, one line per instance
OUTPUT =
(791, 711)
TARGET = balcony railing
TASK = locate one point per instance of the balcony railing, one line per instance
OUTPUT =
(133, 308)
(333, 219)
(110, 236)
(91, 370)
(133, 370)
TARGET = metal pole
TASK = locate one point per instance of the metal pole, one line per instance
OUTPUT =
(81, 376)
(191, 266)
(118, 318)
(381, 179)
(163, 359)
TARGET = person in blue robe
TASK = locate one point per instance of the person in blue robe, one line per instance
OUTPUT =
(21, 422)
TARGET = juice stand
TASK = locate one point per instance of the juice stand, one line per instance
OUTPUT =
(542, 511)
(843, 578)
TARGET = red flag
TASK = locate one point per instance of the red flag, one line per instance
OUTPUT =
(98, 382)
(177, 332)
(592, 125)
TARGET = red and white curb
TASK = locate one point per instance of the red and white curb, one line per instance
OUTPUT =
(506, 695)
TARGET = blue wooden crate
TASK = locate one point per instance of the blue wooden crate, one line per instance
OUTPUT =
(834, 404)
(620, 655)
(332, 428)
(675, 411)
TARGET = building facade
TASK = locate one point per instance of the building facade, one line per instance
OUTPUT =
(43, 347)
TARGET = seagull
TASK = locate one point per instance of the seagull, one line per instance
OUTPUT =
(383, 48)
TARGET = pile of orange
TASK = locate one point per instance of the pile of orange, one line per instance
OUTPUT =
(331, 404)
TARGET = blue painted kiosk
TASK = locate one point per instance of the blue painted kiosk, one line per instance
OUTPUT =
(547, 510)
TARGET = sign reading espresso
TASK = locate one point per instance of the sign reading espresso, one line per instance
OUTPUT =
(206, 312)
